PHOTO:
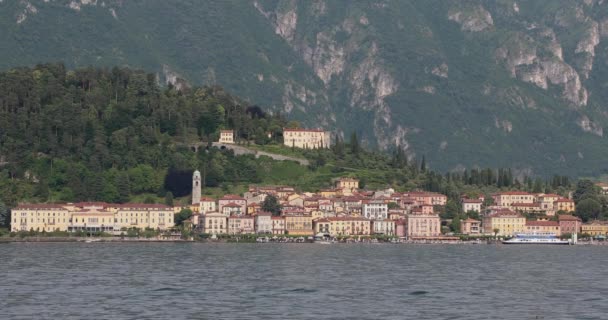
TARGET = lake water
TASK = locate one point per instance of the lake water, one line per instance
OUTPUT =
(301, 281)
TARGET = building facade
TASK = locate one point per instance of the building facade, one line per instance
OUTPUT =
(226, 136)
(423, 225)
(306, 138)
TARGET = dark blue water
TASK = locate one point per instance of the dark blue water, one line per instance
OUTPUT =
(301, 281)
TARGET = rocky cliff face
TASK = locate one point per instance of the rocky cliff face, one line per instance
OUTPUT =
(517, 83)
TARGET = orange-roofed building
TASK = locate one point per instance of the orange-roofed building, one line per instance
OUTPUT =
(565, 205)
(569, 224)
(543, 227)
(505, 199)
(470, 226)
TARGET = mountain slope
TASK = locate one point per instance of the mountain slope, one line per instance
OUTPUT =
(466, 83)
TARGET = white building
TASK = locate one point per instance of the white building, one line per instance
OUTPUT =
(263, 223)
(471, 205)
(385, 227)
(226, 136)
(374, 209)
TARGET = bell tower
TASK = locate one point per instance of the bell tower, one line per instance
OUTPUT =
(196, 187)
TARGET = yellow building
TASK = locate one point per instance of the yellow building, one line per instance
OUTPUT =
(141, 216)
(347, 183)
(91, 216)
(343, 226)
(298, 224)
(306, 138)
(543, 227)
(506, 221)
(595, 228)
(226, 136)
(564, 204)
(40, 217)
(505, 199)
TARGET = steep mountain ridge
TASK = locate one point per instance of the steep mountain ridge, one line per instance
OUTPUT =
(466, 83)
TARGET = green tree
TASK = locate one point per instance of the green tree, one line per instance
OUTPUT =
(5, 216)
(393, 205)
(585, 189)
(588, 209)
(182, 216)
(271, 204)
(455, 225)
(169, 198)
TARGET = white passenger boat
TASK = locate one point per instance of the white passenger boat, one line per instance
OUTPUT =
(536, 238)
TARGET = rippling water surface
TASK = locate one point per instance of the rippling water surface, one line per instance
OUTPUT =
(301, 281)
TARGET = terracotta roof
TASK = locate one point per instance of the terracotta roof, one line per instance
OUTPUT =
(39, 206)
(345, 218)
(205, 199)
(513, 193)
(542, 223)
(143, 206)
(550, 195)
(277, 218)
(563, 200)
(525, 204)
(301, 130)
(505, 212)
(471, 220)
(568, 217)
(232, 197)
(232, 205)
(471, 201)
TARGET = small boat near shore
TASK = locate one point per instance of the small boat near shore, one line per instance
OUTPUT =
(536, 238)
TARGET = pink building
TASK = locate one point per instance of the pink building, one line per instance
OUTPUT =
(423, 225)
(569, 224)
(232, 199)
(401, 228)
(470, 226)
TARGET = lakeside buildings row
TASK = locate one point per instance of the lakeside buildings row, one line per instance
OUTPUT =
(343, 210)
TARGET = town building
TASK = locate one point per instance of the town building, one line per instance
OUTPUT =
(471, 205)
(263, 223)
(565, 205)
(420, 225)
(232, 200)
(91, 217)
(226, 136)
(207, 205)
(278, 225)
(347, 183)
(299, 224)
(374, 209)
(215, 223)
(428, 198)
(343, 226)
(505, 199)
(470, 226)
(384, 227)
(543, 227)
(241, 224)
(595, 228)
(507, 222)
(306, 138)
(569, 224)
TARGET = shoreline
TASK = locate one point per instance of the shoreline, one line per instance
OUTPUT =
(144, 240)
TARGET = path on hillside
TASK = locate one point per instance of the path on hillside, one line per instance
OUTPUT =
(238, 150)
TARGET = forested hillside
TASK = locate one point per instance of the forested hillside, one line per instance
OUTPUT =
(116, 135)
(100, 134)
(466, 83)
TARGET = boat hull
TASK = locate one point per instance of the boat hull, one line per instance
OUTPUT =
(538, 242)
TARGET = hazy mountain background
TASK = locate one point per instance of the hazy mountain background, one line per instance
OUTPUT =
(499, 83)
